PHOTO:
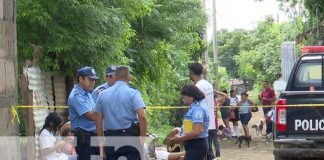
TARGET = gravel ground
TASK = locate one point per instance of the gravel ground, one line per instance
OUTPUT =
(260, 148)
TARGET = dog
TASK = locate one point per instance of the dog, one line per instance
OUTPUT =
(221, 132)
(240, 139)
(258, 128)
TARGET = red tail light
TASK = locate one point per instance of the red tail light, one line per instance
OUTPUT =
(281, 115)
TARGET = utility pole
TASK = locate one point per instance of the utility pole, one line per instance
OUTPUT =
(206, 57)
(215, 54)
(9, 140)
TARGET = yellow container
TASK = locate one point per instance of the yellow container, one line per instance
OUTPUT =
(187, 125)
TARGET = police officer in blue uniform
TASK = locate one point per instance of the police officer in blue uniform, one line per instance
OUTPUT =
(195, 124)
(81, 114)
(122, 111)
(110, 78)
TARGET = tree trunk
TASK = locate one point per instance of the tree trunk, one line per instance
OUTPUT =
(8, 80)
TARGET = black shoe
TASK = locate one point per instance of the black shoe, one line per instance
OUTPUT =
(211, 154)
(234, 136)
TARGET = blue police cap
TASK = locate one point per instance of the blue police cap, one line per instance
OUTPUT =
(88, 72)
(111, 70)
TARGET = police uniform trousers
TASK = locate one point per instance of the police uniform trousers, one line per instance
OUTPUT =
(83, 148)
(130, 152)
(196, 149)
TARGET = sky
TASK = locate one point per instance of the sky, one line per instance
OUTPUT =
(242, 14)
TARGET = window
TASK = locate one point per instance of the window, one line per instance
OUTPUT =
(309, 74)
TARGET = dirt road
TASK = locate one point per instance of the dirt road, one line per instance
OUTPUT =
(260, 148)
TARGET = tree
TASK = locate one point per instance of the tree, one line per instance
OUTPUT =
(165, 41)
(223, 79)
(229, 45)
(69, 34)
(291, 29)
(156, 38)
(260, 58)
(312, 12)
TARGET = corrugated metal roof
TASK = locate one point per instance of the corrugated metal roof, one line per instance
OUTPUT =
(59, 90)
(45, 87)
(36, 83)
(60, 94)
(49, 89)
(35, 79)
(288, 59)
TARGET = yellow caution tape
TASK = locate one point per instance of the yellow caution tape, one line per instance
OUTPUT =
(15, 119)
(65, 107)
(47, 107)
(166, 107)
(184, 107)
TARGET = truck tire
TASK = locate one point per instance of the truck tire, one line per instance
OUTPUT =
(277, 157)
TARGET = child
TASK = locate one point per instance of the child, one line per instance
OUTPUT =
(221, 132)
(68, 149)
(269, 121)
(174, 147)
(50, 147)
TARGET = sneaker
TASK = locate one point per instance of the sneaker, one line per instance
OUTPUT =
(269, 136)
(228, 132)
(217, 158)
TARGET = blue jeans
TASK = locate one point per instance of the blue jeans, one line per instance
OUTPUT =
(269, 127)
(213, 138)
(268, 123)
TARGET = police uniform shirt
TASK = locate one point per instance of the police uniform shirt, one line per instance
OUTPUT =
(99, 89)
(119, 104)
(198, 113)
(79, 103)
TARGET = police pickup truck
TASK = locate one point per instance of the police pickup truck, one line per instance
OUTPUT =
(299, 117)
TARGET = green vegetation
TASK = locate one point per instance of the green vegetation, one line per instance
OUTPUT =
(252, 55)
(156, 38)
(260, 57)
(255, 55)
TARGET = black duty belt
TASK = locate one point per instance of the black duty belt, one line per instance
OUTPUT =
(128, 130)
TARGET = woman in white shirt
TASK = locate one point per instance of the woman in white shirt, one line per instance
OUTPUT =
(235, 117)
(50, 148)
